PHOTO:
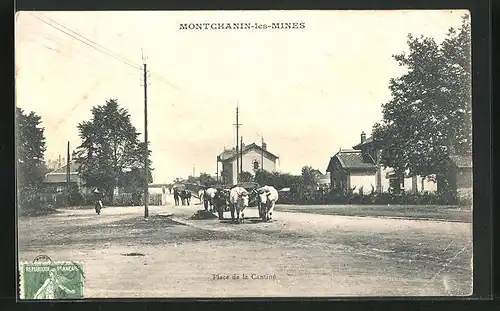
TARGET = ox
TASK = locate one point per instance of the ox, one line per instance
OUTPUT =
(209, 198)
(185, 197)
(221, 202)
(176, 197)
(268, 195)
(201, 194)
(238, 201)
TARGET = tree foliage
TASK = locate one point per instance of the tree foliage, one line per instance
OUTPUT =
(110, 153)
(310, 176)
(30, 144)
(206, 180)
(429, 115)
(246, 177)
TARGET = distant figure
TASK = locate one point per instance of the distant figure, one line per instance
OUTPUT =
(176, 197)
(170, 190)
(188, 197)
(163, 195)
(98, 201)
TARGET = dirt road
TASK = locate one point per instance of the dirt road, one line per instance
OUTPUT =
(297, 254)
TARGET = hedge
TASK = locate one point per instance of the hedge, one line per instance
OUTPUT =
(333, 197)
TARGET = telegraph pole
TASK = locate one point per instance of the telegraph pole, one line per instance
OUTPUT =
(146, 150)
(241, 155)
(237, 147)
(68, 174)
(262, 154)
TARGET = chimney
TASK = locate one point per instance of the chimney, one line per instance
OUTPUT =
(363, 137)
(264, 146)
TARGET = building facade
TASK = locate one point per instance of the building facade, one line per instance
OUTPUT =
(253, 158)
(56, 180)
(360, 168)
(351, 169)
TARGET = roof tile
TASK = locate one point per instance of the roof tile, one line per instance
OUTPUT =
(354, 159)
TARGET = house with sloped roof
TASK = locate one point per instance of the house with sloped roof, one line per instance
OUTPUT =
(352, 169)
(252, 158)
(385, 178)
(56, 180)
(360, 168)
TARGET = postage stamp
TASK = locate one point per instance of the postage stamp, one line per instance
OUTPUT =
(51, 280)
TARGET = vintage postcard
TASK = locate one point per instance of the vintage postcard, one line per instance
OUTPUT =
(222, 154)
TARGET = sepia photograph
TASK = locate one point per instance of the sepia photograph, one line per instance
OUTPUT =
(232, 154)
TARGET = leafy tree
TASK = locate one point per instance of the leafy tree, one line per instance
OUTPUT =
(192, 179)
(206, 180)
(429, 115)
(30, 143)
(310, 176)
(31, 169)
(110, 148)
(263, 177)
(277, 179)
(246, 177)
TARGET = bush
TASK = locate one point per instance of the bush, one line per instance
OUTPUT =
(310, 196)
(75, 198)
(32, 201)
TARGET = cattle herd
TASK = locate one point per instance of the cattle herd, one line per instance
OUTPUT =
(236, 199)
(182, 197)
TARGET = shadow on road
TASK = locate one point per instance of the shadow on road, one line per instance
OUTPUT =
(248, 220)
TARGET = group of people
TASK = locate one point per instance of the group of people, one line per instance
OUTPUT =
(182, 197)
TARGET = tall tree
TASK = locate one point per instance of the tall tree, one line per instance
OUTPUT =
(206, 180)
(428, 117)
(111, 149)
(30, 145)
(310, 176)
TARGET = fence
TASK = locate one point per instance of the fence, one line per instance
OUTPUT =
(129, 199)
(123, 199)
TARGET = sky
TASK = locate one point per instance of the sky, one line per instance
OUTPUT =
(308, 92)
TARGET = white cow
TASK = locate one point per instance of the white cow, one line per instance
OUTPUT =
(201, 192)
(209, 197)
(268, 195)
(238, 200)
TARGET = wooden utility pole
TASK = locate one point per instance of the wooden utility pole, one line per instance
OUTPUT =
(241, 155)
(217, 170)
(237, 147)
(146, 149)
(262, 154)
(68, 174)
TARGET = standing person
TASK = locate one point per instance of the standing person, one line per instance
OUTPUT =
(98, 201)
(163, 195)
(176, 197)
(205, 199)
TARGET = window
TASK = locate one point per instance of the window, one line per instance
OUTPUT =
(255, 165)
